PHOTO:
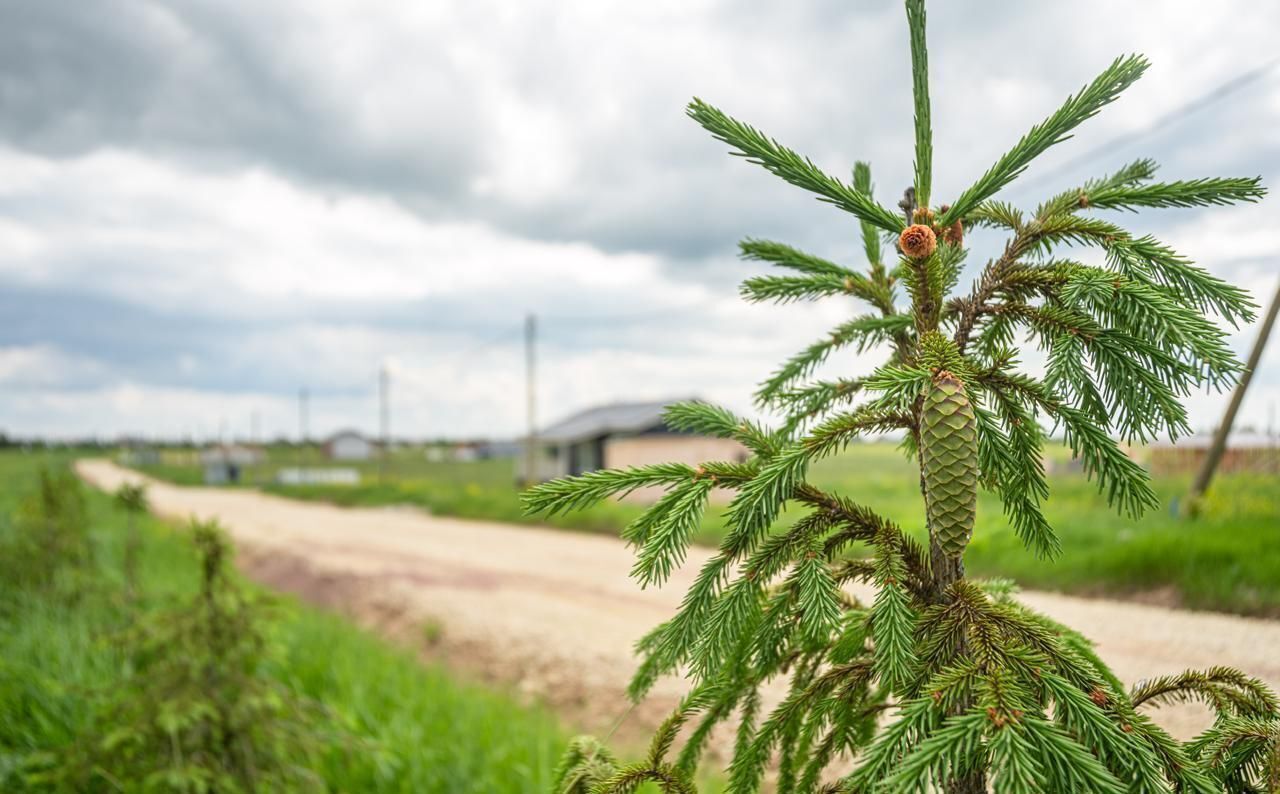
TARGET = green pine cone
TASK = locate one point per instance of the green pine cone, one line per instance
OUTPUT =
(949, 453)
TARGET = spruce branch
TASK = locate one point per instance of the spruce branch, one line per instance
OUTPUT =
(997, 214)
(711, 420)
(666, 542)
(1185, 193)
(1146, 258)
(817, 600)
(574, 493)
(920, 94)
(1228, 691)
(1130, 175)
(785, 289)
(781, 549)
(892, 621)
(1105, 88)
(800, 171)
(585, 764)
(1011, 463)
(863, 332)
(870, 232)
(805, 404)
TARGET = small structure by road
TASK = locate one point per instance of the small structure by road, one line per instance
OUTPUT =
(330, 475)
(225, 463)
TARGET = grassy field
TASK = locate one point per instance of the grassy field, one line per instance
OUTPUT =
(425, 732)
(1228, 559)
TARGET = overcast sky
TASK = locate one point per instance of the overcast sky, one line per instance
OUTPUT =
(206, 205)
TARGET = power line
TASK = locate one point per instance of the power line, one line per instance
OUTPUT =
(1215, 95)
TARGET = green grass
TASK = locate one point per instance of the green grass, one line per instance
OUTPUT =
(1228, 559)
(426, 731)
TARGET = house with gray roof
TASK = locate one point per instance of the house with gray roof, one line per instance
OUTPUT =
(620, 435)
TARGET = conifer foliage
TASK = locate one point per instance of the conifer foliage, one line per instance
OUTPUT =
(940, 683)
(132, 499)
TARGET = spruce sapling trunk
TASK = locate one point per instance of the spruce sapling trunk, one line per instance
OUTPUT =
(131, 559)
(939, 683)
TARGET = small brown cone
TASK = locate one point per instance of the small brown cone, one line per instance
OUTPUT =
(953, 234)
(917, 241)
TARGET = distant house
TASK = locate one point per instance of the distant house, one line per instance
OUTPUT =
(237, 454)
(471, 451)
(349, 445)
(1246, 451)
(490, 450)
(620, 435)
(140, 456)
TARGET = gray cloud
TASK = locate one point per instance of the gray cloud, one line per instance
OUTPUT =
(212, 85)
(543, 125)
(233, 84)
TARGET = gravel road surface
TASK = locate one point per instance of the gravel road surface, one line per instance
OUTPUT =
(555, 615)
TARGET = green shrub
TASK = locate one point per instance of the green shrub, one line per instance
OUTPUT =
(48, 544)
(387, 722)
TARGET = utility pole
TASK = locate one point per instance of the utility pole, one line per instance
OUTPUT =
(384, 416)
(1219, 444)
(302, 425)
(530, 363)
(253, 426)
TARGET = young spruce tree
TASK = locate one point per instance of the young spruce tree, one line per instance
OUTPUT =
(198, 711)
(132, 499)
(940, 683)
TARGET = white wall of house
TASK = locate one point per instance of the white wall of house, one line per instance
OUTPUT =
(621, 452)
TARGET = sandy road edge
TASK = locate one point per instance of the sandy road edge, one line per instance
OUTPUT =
(380, 606)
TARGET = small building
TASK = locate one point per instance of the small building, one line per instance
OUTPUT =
(138, 455)
(621, 435)
(471, 451)
(349, 445)
(331, 475)
(236, 454)
(496, 450)
(226, 463)
(465, 452)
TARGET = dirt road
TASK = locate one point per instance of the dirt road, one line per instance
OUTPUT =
(555, 614)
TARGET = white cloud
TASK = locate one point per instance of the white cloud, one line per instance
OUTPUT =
(27, 367)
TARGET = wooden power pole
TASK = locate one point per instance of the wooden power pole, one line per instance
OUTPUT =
(531, 407)
(302, 426)
(1219, 444)
(384, 416)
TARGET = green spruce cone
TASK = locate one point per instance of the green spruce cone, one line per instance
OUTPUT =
(949, 450)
